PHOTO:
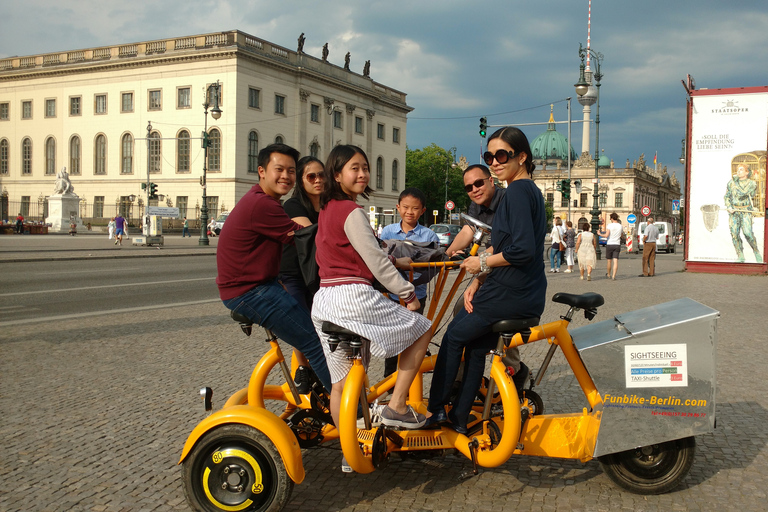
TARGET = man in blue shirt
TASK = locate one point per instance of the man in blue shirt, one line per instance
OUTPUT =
(410, 206)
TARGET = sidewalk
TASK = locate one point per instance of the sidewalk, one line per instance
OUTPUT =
(94, 245)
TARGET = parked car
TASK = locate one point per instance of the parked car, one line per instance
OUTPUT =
(666, 241)
(220, 222)
(446, 233)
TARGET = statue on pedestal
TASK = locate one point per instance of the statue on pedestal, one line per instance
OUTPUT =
(63, 187)
(325, 52)
(346, 61)
(300, 49)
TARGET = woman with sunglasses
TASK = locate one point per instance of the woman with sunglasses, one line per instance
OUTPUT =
(303, 208)
(512, 282)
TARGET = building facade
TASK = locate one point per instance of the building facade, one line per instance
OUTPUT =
(111, 115)
(622, 190)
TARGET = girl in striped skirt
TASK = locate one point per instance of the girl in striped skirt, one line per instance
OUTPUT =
(350, 258)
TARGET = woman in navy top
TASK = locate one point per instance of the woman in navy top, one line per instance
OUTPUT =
(511, 284)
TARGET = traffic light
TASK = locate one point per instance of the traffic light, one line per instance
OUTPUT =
(559, 186)
(143, 186)
(483, 126)
(205, 140)
(153, 190)
(566, 189)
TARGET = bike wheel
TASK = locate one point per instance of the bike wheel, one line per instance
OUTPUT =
(653, 469)
(534, 401)
(235, 467)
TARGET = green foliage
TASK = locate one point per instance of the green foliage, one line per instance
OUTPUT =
(425, 169)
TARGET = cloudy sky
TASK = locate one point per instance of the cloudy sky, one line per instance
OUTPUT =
(460, 60)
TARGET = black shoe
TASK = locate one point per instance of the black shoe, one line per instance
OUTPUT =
(454, 424)
(302, 380)
(641, 275)
(436, 419)
(521, 377)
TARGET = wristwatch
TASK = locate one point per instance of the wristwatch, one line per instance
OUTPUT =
(484, 263)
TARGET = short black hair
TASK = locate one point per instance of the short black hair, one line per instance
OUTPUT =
(337, 159)
(413, 192)
(283, 149)
(486, 171)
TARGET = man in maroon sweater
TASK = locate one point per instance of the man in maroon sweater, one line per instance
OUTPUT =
(248, 259)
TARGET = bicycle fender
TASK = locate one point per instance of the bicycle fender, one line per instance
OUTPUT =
(262, 420)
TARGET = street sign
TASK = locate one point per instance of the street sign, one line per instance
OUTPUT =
(676, 205)
(449, 205)
(434, 213)
(646, 211)
(163, 211)
(454, 216)
(631, 218)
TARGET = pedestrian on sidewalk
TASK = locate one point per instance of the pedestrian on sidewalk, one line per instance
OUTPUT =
(569, 238)
(649, 249)
(20, 224)
(612, 232)
(185, 229)
(586, 246)
(120, 225)
(557, 239)
(111, 228)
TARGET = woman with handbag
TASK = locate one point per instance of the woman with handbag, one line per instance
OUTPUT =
(302, 208)
(557, 242)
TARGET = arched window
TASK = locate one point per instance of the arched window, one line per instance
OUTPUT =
(379, 173)
(394, 175)
(253, 152)
(155, 152)
(182, 152)
(26, 156)
(126, 159)
(74, 156)
(100, 155)
(4, 156)
(314, 150)
(50, 156)
(214, 150)
(279, 140)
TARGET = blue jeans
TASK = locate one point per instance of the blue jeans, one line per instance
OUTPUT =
(185, 232)
(270, 306)
(554, 258)
(470, 334)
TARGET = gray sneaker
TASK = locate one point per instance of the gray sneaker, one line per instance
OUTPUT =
(410, 420)
(346, 468)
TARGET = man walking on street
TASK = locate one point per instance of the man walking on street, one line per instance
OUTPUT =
(649, 249)
(119, 229)
(185, 230)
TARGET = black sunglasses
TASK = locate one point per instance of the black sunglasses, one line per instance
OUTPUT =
(502, 156)
(475, 184)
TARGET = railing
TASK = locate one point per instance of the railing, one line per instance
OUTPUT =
(253, 43)
(184, 43)
(102, 53)
(6, 64)
(215, 39)
(156, 47)
(27, 62)
(279, 52)
(75, 56)
(49, 60)
(128, 50)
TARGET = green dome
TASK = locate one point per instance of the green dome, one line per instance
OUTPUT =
(551, 145)
(603, 161)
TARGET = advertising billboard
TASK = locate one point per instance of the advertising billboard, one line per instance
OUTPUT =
(726, 177)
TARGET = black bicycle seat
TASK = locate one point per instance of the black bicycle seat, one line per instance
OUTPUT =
(241, 319)
(583, 301)
(331, 328)
(515, 324)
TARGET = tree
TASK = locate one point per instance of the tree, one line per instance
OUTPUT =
(425, 169)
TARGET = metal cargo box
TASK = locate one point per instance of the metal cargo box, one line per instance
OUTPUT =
(655, 371)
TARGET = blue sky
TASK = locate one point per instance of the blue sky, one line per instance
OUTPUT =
(459, 60)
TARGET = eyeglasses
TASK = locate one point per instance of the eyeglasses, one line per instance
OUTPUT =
(475, 184)
(313, 176)
(502, 156)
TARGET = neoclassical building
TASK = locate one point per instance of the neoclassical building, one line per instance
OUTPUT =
(623, 190)
(112, 114)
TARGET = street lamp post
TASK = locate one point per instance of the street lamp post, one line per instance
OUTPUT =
(582, 86)
(211, 90)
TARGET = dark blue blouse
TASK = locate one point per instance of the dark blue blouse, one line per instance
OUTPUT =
(519, 228)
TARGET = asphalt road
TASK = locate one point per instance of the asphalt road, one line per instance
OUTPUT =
(95, 409)
(46, 290)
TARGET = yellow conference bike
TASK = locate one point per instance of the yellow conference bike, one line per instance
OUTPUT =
(648, 377)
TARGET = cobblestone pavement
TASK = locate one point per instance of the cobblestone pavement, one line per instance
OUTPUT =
(95, 414)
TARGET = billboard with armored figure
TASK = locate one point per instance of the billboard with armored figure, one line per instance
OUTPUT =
(728, 143)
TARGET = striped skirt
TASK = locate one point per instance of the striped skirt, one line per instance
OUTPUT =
(388, 326)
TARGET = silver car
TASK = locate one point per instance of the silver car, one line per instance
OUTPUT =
(446, 233)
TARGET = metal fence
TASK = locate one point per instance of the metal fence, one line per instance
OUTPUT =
(100, 214)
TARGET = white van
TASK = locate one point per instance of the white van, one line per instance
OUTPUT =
(666, 240)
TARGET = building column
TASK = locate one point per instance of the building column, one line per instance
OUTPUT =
(369, 130)
(350, 128)
(304, 123)
(328, 103)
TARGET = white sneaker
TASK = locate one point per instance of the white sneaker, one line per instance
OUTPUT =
(376, 409)
(566, 271)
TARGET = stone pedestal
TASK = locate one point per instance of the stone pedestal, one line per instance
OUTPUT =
(61, 209)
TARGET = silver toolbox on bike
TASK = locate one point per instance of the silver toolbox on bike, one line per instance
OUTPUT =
(655, 371)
